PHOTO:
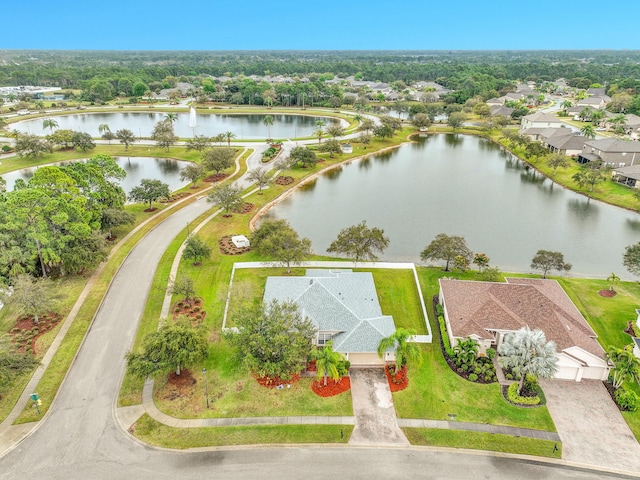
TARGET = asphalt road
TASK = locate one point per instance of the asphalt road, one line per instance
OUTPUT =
(81, 439)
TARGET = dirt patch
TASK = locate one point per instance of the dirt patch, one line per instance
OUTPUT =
(178, 386)
(245, 208)
(25, 333)
(282, 180)
(332, 388)
(397, 381)
(193, 310)
(228, 248)
(217, 177)
(277, 382)
(630, 330)
(149, 210)
(607, 293)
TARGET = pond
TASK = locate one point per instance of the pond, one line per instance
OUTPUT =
(463, 185)
(137, 168)
(244, 126)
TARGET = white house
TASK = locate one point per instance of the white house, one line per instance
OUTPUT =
(540, 120)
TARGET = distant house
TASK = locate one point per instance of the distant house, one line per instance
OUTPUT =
(612, 151)
(487, 311)
(540, 120)
(629, 176)
(593, 102)
(500, 110)
(544, 133)
(344, 307)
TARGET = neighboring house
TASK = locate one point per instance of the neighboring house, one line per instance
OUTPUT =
(636, 346)
(569, 144)
(344, 307)
(594, 102)
(495, 102)
(487, 311)
(501, 110)
(612, 151)
(544, 133)
(629, 176)
(540, 120)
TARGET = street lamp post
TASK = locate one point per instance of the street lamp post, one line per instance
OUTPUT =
(206, 390)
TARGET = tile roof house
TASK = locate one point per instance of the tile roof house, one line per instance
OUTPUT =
(344, 306)
(487, 311)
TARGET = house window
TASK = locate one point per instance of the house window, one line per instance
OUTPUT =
(323, 338)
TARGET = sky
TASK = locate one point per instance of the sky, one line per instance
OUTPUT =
(325, 25)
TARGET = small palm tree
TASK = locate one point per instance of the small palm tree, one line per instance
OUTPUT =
(466, 351)
(103, 128)
(399, 342)
(268, 122)
(613, 278)
(327, 361)
(588, 131)
(626, 364)
(49, 123)
(171, 117)
(229, 136)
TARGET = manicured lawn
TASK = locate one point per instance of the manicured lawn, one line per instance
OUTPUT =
(161, 435)
(483, 441)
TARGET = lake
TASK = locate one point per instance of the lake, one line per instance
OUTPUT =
(469, 186)
(137, 168)
(244, 126)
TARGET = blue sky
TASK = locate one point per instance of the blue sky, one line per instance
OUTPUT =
(324, 25)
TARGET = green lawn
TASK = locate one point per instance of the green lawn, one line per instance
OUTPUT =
(483, 441)
(161, 435)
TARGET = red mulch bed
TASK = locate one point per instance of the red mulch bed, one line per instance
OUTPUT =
(228, 248)
(274, 382)
(149, 210)
(607, 293)
(333, 388)
(311, 366)
(245, 208)
(282, 180)
(396, 382)
(216, 177)
(25, 332)
(192, 310)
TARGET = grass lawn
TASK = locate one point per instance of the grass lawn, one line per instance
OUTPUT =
(483, 441)
(608, 317)
(161, 435)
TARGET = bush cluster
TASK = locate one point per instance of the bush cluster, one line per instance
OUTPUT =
(445, 337)
(627, 400)
(512, 395)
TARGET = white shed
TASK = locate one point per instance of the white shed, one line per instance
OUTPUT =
(346, 148)
(240, 241)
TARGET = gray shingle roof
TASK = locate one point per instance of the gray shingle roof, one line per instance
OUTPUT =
(337, 301)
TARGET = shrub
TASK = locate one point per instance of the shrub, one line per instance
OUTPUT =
(177, 310)
(627, 400)
(445, 337)
(464, 367)
(196, 309)
(509, 376)
(473, 377)
(489, 377)
(439, 310)
(512, 395)
(477, 370)
(491, 353)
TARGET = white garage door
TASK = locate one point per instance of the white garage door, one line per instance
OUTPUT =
(566, 372)
(365, 359)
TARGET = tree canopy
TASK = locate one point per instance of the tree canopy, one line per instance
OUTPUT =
(278, 241)
(446, 247)
(359, 242)
(149, 190)
(545, 261)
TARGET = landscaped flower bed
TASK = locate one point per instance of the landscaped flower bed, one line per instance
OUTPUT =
(272, 152)
(25, 332)
(175, 197)
(217, 177)
(397, 381)
(192, 310)
(275, 382)
(332, 388)
(245, 208)
(282, 180)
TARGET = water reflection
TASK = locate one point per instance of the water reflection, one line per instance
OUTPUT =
(494, 201)
(334, 173)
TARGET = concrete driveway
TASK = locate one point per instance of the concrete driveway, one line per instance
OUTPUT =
(375, 416)
(590, 425)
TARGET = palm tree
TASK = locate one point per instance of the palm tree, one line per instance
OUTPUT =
(466, 351)
(327, 361)
(103, 128)
(229, 136)
(588, 131)
(596, 116)
(399, 342)
(613, 278)
(566, 105)
(171, 117)
(268, 121)
(527, 352)
(49, 123)
(626, 364)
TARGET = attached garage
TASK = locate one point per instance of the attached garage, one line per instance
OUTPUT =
(364, 359)
(576, 364)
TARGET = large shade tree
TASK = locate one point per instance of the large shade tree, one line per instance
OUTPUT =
(149, 190)
(546, 260)
(360, 242)
(278, 241)
(527, 352)
(446, 247)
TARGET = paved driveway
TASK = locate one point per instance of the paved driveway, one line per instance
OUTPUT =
(592, 429)
(374, 413)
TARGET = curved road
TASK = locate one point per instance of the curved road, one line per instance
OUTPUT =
(81, 438)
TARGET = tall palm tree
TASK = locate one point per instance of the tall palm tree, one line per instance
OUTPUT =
(527, 352)
(103, 128)
(399, 342)
(566, 104)
(268, 121)
(596, 116)
(172, 117)
(626, 364)
(327, 361)
(49, 123)
(229, 136)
